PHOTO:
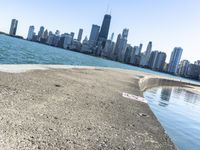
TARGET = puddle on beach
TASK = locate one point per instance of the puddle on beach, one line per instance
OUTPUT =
(178, 110)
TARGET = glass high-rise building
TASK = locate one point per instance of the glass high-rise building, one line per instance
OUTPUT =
(103, 35)
(175, 60)
(161, 61)
(157, 60)
(197, 62)
(116, 49)
(30, 33)
(40, 33)
(152, 59)
(94, 35)
(46, 34)
(146, 55)
(80, 34)
(13, 27)
(122, 45)
(183, 67)
(149, 49)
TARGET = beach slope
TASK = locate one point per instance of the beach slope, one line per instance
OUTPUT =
(77, 108)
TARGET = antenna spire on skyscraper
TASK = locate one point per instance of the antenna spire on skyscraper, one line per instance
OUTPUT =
(107, 9)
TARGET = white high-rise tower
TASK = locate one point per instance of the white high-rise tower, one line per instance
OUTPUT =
(30, 33)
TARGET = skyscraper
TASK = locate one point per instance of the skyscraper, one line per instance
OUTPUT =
(108, 49)
(193, 71)
(157, 60)
(44, 37)
(112, 36)
(94, 36)
(197, 62)
(40, 33)
(46, 34)
(135, 55)
(127, 55)
(175, 60)
(152, 59)
(50, 38)
(125, 33)
(141, 45)
(80, 34)
(61, 41)
(183, 67)
(149, 49)
(72, 34)
(56, 38)
(57, 33)
(85, 47)
(160, 61)
(122, 45)
(146, 55)
(116, 50)
(13, 27)
(30, 33)
(103, 35)
(67, 41)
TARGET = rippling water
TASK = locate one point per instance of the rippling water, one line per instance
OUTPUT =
(17, 51)
(178, 110)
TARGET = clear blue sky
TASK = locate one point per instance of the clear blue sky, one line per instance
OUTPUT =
(168, 23)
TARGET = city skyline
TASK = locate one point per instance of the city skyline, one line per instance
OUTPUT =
(120, 20)
(99, 45)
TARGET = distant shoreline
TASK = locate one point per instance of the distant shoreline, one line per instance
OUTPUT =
(20, 37)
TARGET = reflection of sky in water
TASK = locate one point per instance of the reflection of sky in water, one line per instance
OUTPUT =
(178, 110)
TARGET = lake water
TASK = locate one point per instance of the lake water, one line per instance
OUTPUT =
(178, 111)
(17, 51)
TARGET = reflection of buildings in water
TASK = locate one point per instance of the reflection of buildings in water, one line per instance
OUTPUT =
(163, 104)
(165, 96)
(191, 97)
(177, 92)
(154, 91)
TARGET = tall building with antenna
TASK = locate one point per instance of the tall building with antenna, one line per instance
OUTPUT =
(103, 35)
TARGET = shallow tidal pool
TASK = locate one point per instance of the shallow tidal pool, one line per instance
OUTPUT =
(178, 110)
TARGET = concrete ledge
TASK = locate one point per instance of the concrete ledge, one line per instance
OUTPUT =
(156, 81)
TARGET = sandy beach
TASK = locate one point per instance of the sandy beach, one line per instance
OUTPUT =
(77, 108)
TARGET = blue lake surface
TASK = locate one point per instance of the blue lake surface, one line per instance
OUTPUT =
(17, 51)
(178, 110)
